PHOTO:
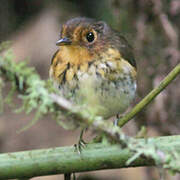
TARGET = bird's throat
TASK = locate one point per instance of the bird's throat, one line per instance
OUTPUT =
(75, 55)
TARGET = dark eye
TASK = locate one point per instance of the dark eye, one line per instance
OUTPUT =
(90, 36)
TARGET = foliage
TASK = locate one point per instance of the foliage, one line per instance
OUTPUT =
(36, 94)
(151, 27)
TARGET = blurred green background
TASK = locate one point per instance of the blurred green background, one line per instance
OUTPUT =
(152, 28)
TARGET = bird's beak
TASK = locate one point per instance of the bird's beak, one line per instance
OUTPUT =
(63, 41)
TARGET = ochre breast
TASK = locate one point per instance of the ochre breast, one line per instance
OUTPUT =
(75, 55)
(67, 60)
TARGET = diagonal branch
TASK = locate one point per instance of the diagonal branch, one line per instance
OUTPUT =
(98, 124)
(143, 103)
(38, 95)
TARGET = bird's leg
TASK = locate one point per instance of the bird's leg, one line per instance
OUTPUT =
(74, 176)
(67, 176)
(81, 143)
(118, 117)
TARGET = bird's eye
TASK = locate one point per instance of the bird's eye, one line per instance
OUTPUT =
(90, 37)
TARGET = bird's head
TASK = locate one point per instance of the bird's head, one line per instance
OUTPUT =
(83, 40)
(85, 33)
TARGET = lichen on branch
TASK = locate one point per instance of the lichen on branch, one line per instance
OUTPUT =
(39, 95)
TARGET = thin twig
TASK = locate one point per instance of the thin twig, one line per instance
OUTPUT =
(172, 35)
(164, 83)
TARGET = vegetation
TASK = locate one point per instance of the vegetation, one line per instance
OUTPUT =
(152, 28)
(40, 95)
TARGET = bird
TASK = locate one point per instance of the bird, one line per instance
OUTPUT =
(94, 67)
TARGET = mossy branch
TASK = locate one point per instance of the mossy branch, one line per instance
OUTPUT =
(41, 96)
(62, 160)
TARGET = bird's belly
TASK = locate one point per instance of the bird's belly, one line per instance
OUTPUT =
(101, 96)
(115, 98)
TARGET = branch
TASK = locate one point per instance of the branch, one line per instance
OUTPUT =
(41, 96)
(62, 160)
(36, 96)
(144, 102)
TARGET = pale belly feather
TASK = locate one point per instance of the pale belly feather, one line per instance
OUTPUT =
(99, 95)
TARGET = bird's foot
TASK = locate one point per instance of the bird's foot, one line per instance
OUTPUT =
(81, 143)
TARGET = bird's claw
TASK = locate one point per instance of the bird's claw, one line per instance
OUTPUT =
(81, 144)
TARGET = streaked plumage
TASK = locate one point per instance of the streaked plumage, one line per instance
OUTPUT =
(101, 75)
